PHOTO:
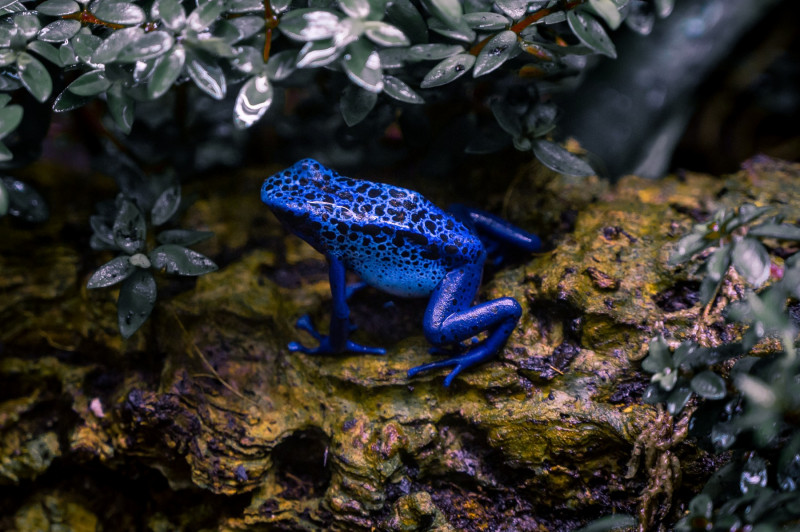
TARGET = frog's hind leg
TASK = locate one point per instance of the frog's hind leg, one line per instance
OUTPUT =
(495, 232)
(450, 319)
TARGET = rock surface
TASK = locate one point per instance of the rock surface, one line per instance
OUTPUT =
(209, 422)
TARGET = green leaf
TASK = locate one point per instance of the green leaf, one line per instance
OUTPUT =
(355, 8)
(719, 262)
(448, 11)
(166, 205)
(309, 24)
(24, 201)
(208, 76)
(90, 83)
(462, 32)
(137, 296)
(59, 31)
(405, 15)
(67, 101)
(281, 65)
(751, 260)
(116, 12)
(183, 237)
(438, 51)
(689, 246)
(559, 159)
(495, 53)
(204, 15)
(57, 8)
(385, 34)
(28, 24)
(46, 51)
(363, 66)
(129, 228)
(246, 27)
(10, 117)
(747, 212)
(181, 261)
(166, 72)
(708, 385)
(147, 46)
(110, 48)
(702, 506)
(253, 100)
(608, 11)
(507, 118)
(448, 70)
(678, 399)
(659, 357)
(400, 90)
(348, 31)
(34, 76)
(778, 231)
(315, 54)
(515, 9)
(4, 201)
(66, 54)
(8, 56)
(486, 21)
(664, 7)
(84, 45)
(171, 13)
(121, 107)
(609, 523)
(356, 103)
(591, 33)
(112, 272)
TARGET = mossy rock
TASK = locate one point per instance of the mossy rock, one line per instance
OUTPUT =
(207, 404)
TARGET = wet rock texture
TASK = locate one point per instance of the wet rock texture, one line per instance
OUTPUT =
(204, 420)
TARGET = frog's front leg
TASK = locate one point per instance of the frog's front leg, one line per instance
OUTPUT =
(337, 340)
(494, 231)
(449, 319)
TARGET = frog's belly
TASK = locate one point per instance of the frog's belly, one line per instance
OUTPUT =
(402, 278)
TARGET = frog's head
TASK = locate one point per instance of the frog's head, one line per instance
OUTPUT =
(296, 195)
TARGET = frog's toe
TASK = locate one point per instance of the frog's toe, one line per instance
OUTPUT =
(304, 324)
(358, 348)
(295, 346)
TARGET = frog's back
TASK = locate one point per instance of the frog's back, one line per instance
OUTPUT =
(393, 237)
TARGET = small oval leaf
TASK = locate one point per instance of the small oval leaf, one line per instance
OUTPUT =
(400, 90)
(137, 296)
(170, 12)
(112, 272)
(363, 66)
(751, 260)
(208, 76)
(181, 261)
(253, 100)
(90, 83)
(495, 53)
(486, 21)
(435, 52)
(385, 34)
(24, 201)
(204, 15)
(59, 31)
(448, 70)
(708, 385)
(34, 76)
(10, 117)
(57, 8)
(166, 205)
(117, 12)
(166, 72)
(308, 24)
(591, 33)
(559, 159)
(109, 49)
(147, 46)
(356, 103)
(129, 228)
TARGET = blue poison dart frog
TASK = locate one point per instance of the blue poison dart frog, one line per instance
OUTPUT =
(403, 244)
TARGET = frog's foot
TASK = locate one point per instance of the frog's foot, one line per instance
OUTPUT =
(325, 347)
(475, 355)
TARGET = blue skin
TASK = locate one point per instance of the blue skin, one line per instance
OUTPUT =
(401, 243)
